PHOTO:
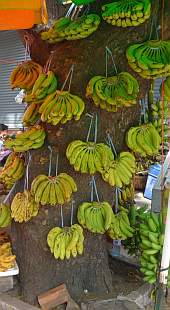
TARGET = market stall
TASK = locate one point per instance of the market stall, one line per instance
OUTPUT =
(91, 124)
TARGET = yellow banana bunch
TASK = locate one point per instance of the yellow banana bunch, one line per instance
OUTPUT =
(150, 59)
(61, 107)
(5, 215)
(53, 190)
(127, 194)
(7, 260)
(31, 114)
(95, 216)
(89, 157)
(25, 75)
(66, 29)
(120, 228)
(33, 138)
(120, 171)
(125, 13)
(66, 242)
(24, 207)
(45, 85)
(12, 171)
(144, 139)
(113, 92)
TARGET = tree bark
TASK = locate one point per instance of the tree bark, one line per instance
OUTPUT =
(39, 271)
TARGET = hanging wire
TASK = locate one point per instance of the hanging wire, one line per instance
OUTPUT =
(72, 211)
(56, 167)
(69, 75)
(107, 54)
(72, 6)
(61, 214)
(111, 144)
(48, 63)
(95, 188)
(92, 190)
(90, 126)
(50, 161)
(96, 127)
(10, 192)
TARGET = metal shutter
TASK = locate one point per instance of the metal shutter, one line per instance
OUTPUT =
(11, 48)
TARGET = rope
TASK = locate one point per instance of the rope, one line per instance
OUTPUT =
(50, 161)
(92, 190)
(72, 211)
(90, 126)
(48, 63)
(56, 167)
(61, 214)
(112, 145)
(95, 131)
(95, 188)
(69, 75)
(10, 192)
(70, 10)
(107, 54)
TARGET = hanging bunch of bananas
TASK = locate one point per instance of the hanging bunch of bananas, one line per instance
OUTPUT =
(31, 114)
(66, 242)
(113, 92)
(95, 216)
(66, 29)
(157, 109)
(120, 171)
(143, 139)
(127, 13)
(33, 138)
(61, 106)
(12, 171)
(151, 246)
(7, 260)
(25, 75)
(53, 190)
(89, 157)
(24, 207)
(120, 228)
(5, 215)
(150, 59)
(45, 85)
(127, 194)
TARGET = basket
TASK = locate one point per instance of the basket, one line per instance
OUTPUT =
(139, 181)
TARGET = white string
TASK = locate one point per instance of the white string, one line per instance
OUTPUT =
(50, 161)
(95, 187)
(96, 125)
(61, 213)
(107, 54)
(56, 169)
(72, 211)
(70, 74)
(111, 144)
(92, 190)
(70, 10)
(90, 126)
(10, 192)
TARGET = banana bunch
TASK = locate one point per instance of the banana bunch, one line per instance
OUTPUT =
(95, 216)
(31, 114)
(66, 29)
(12, 171)
(144, 139)
(156, 116)
(45, 85)
(89, 157)
(61, 106)
(66, 242)
(127, 13)
(150, 59)
(33, 138)
(53, 190)
(7, 260)
(25, 75)
(120, 171)
(127, 194)
(151, 246)
(24, 207)
(5, 215)
(120, 228)
(113, 92)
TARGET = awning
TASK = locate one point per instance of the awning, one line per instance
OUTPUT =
(22, 14)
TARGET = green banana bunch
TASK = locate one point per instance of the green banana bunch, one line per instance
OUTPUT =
(24, 207)
(113, 92)
(31, 114)
(143, 139)
(45, 85)
(95, 216)
(53, 190)
(89, 157)
(120, 171)
(150, 59)
(61, 107)
(151, 246)
(67, 29)
(120, 228)
(125, 13)
(5, 215)
(156, 116)
(127, 194)
(12, 171)
(66, 242)
(33, 138)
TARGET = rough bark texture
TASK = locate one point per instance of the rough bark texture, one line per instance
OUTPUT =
(39, 271)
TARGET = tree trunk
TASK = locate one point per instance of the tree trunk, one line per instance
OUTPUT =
(39, 271)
